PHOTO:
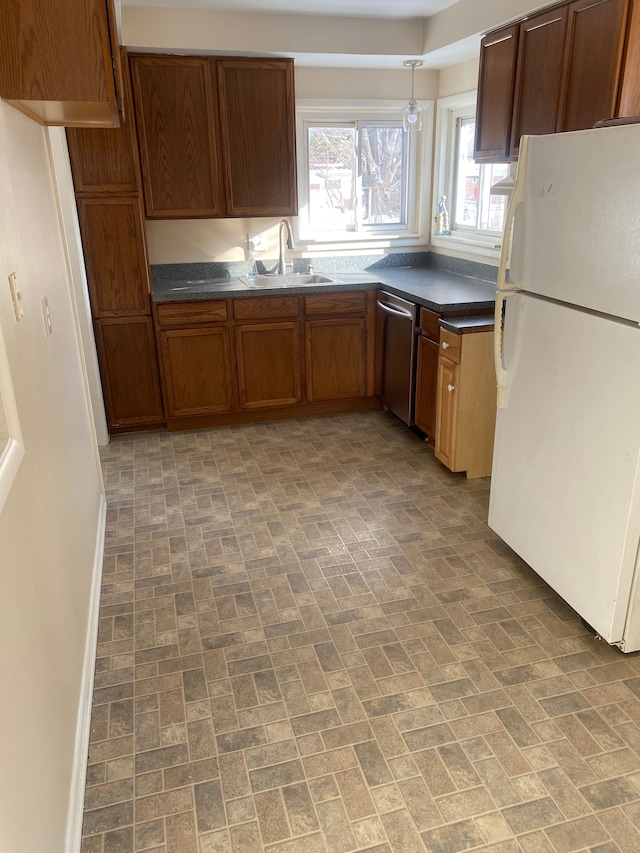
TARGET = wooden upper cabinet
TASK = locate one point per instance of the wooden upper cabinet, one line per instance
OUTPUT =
(595, 43)
(176, 107)
(104, 160)
(59, 61)
(538, 75)
(258, 129)
(216, 136)
(114, 247)
(495, 94)
(577, 63)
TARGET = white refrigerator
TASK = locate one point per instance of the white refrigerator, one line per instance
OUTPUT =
(565, 488)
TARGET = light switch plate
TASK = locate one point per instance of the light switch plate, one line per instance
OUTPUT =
(16, 297)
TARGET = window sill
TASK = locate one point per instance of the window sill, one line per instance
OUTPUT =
(358, 240)
(483, 247)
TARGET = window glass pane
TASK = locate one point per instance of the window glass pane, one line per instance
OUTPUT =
(474, 208)
(494, 207)
(332, 178)
(383, 170)
(467, 177)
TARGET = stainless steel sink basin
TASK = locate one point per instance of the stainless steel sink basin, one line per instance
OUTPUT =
(288, 280)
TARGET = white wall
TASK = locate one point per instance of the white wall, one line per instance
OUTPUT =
(51, 520)
(459, 78)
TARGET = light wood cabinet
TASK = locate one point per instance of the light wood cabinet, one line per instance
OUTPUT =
(129, 372)
(466, 407)
(565, 68)
(59, 62)
(217, 136)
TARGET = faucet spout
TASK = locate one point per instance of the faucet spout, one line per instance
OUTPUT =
(281, 261)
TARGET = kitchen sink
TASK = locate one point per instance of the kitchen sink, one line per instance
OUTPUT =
(287, 280)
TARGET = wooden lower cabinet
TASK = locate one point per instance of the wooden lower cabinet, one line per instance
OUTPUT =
(129, 371)
(269, 368)
(258, 358)
(466, 401)
(427, 387)
(197, 370)
(336, 358)
(447, 408)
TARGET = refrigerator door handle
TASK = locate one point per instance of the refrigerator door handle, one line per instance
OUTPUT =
(505, 288)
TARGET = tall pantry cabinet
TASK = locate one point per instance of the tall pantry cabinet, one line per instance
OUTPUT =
(107, 185)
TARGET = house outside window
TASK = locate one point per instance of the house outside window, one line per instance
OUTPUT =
(476, 215)
(360, 175)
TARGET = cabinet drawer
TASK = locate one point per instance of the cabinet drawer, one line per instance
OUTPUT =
(178, 313)
(326, 304)
(450, 345)
(266, 308)
(429, 324)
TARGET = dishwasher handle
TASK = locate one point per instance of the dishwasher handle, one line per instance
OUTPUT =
(392, 310)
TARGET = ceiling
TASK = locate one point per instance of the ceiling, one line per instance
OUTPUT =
(374, 10)
(348, 8)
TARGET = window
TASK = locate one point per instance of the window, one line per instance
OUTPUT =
(358, 175)
(473, 207)
(476, 215)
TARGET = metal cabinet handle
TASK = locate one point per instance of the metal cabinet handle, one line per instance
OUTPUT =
(451, 388)
(445, 345)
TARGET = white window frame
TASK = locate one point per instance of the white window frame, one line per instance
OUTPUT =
(448, 110)
(413, 233)
(11, 444)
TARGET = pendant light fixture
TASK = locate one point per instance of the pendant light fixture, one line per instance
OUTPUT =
(412, 113)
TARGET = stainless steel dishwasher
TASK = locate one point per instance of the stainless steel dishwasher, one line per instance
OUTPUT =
(397, 354)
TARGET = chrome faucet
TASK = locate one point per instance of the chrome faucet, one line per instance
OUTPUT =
(282, 268)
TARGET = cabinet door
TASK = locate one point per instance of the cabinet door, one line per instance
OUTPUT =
(539, 75)
(629, 104)
(113, 242)
(269, 371)
(176, 109)
(336, 359)
(495, 94)
(447, 417)
(129, 371)
(258, 121)
(105, 160)
(427, 386)
(196, 370)
(595, 42)
(56, 61)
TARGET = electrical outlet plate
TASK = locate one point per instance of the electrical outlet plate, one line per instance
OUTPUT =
(257, 242)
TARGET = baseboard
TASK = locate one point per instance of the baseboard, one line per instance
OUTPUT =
(73, 838)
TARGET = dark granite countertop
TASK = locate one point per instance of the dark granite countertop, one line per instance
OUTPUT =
(462, 325)
(438, 290)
